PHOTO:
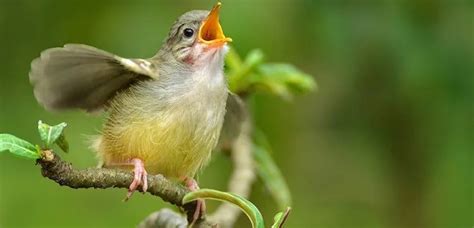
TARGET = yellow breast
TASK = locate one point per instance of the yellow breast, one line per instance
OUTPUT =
(175, 141)
(175, 146)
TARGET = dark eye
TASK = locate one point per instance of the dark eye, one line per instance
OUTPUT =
(188, 32)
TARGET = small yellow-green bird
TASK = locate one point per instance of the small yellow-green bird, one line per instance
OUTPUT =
(165, 113)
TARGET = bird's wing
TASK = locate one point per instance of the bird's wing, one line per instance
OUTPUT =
(139, 66)
(84, 77)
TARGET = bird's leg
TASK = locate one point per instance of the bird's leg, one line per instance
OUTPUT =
(140, 177)
(139, 174)
(192, 185)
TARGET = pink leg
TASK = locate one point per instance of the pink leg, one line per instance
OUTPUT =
(200, 204)
(140, 177)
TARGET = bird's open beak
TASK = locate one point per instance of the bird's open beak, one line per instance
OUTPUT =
(210, 32)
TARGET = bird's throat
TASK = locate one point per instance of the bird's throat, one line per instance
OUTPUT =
(203, 56)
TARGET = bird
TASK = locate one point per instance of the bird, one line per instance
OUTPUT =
(164, 113)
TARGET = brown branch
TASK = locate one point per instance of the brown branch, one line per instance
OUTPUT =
(64, 174)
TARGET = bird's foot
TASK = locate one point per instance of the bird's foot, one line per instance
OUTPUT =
(192, 185)
(139, 178)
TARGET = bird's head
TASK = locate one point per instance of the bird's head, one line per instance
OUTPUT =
(197, 37)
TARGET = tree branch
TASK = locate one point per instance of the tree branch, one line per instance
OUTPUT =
(64, 174)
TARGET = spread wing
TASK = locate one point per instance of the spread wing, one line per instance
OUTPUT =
(81, 76)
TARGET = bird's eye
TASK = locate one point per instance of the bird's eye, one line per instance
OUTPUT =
(188, 32)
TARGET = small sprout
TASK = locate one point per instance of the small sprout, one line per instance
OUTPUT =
(53, 135)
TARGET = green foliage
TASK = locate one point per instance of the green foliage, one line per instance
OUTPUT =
(62, 143)
(254, 75)
(49, 135)
(281, 79)
(18, 147)
(53, 135)
(280, 218)
(269, 173)
(246, 206)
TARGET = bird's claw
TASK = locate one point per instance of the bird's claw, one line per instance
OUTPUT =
(192, 185)
(139, 178)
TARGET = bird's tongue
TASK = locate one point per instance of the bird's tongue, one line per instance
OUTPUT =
(211, 31)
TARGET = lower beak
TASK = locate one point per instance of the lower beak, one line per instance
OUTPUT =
(210, 32)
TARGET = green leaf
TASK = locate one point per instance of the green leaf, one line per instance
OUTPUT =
(18, 146)
(283, 80)
(246, 206)
(53, 134)
(280, 218)
(253, 75)
(239, 76)
(269, 173)
(63, 143)
(254, 58)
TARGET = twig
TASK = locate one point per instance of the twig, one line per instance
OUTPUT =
(63, 173)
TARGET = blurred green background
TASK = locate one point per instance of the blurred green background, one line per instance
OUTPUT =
(387, 141)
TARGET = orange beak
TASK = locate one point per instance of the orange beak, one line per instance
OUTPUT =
(210, 32)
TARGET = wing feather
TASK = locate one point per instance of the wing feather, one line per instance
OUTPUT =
(81, 76)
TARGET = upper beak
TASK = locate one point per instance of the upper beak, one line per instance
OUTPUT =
(210, 32)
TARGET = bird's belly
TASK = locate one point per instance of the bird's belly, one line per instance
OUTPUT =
(175, 145)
